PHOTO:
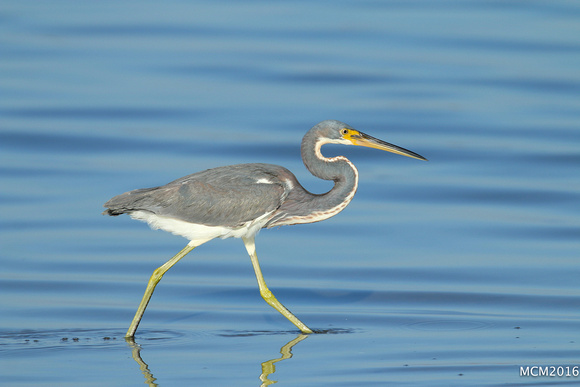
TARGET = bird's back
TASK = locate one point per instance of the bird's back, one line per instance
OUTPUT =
(229, 196)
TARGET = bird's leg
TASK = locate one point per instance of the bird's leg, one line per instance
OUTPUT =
(266, 293)
(153, 281)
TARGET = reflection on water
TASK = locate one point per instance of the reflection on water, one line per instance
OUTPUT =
(268, 367)
(136, 353)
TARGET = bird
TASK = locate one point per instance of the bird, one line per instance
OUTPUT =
(239, 200)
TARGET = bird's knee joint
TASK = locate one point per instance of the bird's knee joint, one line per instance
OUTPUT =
(157, 275)
(267, 295)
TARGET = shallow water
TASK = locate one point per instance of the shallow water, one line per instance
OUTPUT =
(456, 271)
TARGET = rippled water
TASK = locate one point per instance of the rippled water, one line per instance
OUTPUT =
(456, 271)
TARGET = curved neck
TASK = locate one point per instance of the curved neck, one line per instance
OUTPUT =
(302, 206)
(339, 169)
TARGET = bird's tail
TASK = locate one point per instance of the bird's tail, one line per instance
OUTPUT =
(127, 202)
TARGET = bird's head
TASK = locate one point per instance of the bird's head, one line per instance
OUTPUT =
(337, 132)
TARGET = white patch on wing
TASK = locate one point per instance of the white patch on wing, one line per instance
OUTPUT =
(289, 185)
(264, 181)
(200, 233)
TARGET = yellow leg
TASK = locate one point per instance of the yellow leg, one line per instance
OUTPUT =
(153, 281)
(266, 293)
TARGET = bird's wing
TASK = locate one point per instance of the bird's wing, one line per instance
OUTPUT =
(225, 196)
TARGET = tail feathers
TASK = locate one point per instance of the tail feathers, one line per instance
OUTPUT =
(129, 201)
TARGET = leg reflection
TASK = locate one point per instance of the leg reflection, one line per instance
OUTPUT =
(268, 367)
(136, 353)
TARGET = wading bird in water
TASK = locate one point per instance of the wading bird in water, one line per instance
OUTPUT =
(239, 200)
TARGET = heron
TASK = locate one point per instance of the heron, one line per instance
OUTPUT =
(239, 200)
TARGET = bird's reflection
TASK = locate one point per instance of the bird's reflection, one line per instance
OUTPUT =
(144, 367)
(268, 367)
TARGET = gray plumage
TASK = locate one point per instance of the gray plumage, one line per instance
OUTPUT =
(232, 195)
(225, 196)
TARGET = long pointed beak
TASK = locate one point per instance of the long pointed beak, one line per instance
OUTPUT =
(363, 139)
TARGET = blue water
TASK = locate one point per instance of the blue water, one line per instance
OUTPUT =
(456, 271)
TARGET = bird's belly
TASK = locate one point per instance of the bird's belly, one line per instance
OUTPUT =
(200, 233)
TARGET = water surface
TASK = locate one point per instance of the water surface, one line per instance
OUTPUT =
(456, 271)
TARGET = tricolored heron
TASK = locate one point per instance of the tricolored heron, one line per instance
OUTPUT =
(239, 200)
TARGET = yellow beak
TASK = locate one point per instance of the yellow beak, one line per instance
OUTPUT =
(362, 139)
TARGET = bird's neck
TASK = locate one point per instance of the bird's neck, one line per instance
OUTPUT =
(302, 206)
(327, 168)
(338, 169)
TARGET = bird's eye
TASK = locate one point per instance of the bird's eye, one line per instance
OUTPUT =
(344, 131)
